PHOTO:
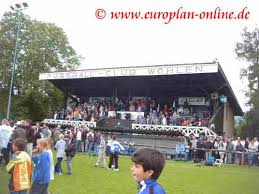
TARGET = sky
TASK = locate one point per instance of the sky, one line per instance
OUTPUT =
(117, 43)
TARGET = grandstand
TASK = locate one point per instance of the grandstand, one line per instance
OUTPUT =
(185, 88)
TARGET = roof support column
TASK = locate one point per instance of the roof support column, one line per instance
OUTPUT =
(228, 120)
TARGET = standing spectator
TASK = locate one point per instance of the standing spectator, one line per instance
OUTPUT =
(90, 142)
(208, 145)
(78, 140)
(230, 150)
(60, 146)
(5, 137)
(70, 152)
(193, 150)
(101, 153)
(37, 134)
(50, 142)
(18, 133)
(256, 157)
(41, 174)
(222, 149)
(116, 148)
(239, 155)
(19, 168)
(83, 137)
(97, 141)
(251, 152)
(56, 134)
(29, 136)
(45, 131)
(108, 146)
(200, 145)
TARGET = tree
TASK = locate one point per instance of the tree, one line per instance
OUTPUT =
(43, 47)
(248, 50)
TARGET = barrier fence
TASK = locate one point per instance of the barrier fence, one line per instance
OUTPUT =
(230, 157)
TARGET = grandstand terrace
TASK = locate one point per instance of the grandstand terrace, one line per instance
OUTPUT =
(184, 88)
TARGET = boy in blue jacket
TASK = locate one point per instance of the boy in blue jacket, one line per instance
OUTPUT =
(148, 164)
(41, 174)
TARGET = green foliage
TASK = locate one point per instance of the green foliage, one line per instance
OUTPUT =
(176, 178)
(248, 50)
(42, 47)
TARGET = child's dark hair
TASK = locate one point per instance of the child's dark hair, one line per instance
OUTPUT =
(150, 159)
(20, 144)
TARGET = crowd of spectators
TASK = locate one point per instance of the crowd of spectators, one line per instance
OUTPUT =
(154, 113)
(228, 150)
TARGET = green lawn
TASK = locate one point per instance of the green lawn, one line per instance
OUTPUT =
(177, 178)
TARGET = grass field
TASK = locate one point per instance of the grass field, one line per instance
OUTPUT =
(177, 178)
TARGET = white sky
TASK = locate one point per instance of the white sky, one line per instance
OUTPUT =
(109, 43)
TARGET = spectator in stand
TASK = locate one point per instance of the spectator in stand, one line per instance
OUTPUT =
(194, 119)
(132, 106)
(154, 119)
(165, 109)
(186, 122)
(164, 121)
(186, 104)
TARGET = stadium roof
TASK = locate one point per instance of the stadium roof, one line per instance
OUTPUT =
(177, 80)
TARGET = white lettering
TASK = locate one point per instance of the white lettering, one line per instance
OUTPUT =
(188, 69)
(170, 70)
(62, 75)
(132, 72)
(160, 71)
(151, 71)
(199, 68)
